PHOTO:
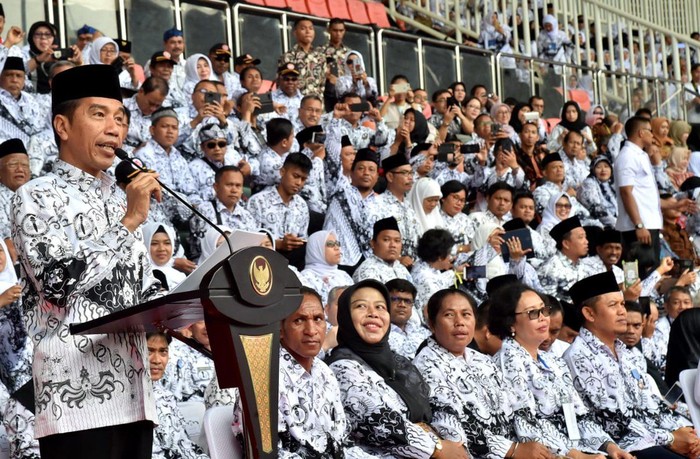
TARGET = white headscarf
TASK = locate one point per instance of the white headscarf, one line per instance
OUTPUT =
(8, 276)
(191, 74)
(495, 266)
(208, 242)
(315, 260)
(549, 19)
(360, 60)
(426, 188)
(549, 215)
(172, 275)
(97, 45)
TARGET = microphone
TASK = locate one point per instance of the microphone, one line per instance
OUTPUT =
(124, 156)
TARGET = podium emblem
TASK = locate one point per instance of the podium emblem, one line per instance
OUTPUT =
(261, 275)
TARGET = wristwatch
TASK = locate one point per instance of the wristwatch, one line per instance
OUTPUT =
(639, 226)
(438, 447)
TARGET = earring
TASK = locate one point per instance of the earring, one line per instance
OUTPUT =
(512, 333)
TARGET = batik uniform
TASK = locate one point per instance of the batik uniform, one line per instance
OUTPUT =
(600, 200)
(188, 374)
(559, 273)
(271, 213)
(387, 205)
(20, 118)
(204, 170)
(311, 67)
(74, 253)
(216, 211)
(575, 171)
(620, 394)
(6, 195)
(291, 102)
(170, 439)
(469, 399)
(214, 395)
(427, 281)
(406, 342)
(655, 348)
(375, 268)
(139, 124)
(539, 389)
(461, 227)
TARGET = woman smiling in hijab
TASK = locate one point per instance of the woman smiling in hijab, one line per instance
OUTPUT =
(572, 119)
(384, 396)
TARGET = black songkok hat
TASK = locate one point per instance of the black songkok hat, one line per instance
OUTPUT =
(564, 227)
(14, 63)
(572, 316)
(12, 146)
(514, 224)
(85, 81)
(305, 135)
(366, 154)
(345, 142)
(124, 45)
(592, 286)
(2, 10)
(690, 183)
(394, 162)
(500, 281)
(609, 236)
(384, 224)
(550, 158)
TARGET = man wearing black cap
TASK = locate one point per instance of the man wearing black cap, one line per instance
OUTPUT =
(499, 202)
(14, 172)
(20, 113)
(346, 209)
(76, 240)
(383, 263)
(220, 57)
(616, 389)
(148, 99)
(162, 65)
(239, 64)
(287, 92)
(608, 247)
(565, 267)
(392, 203)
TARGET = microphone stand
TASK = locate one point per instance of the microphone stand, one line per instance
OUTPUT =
(124, 156)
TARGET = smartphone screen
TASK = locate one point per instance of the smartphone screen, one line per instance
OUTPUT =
(673, 395)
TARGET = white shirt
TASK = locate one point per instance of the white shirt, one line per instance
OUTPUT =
(633, 168)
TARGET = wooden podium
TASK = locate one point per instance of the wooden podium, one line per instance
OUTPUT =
(242, 299)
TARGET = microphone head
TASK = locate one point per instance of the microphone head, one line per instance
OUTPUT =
(121, 154)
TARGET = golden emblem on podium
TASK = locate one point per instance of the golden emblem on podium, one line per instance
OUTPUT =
(261, 275)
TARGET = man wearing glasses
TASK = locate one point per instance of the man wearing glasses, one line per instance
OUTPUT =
(287, 92)
(406, 335)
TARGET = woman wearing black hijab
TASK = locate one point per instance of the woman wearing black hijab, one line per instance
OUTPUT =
(413, 130)
(384, 396)
(683, 344)
(572, 119)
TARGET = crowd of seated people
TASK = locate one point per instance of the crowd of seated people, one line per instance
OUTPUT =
(476, 283)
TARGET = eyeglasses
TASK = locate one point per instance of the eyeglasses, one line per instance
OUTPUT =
(17, 165)
(562, 206)
(290, 78)
(331, 244)
(222, 58)
(458, 200)
(404, 173)
(108, 51)
(43, 35)
(399, 300)
(220, 144)
(598, 113)
(534, 314)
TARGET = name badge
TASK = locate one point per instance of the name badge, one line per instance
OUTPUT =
(571, 424)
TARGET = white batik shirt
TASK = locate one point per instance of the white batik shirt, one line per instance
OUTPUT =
(539, 390)
(214, 395)
(655, 348)
(469, 399)
(139, 124)
(323, 285)
(216, 212)
(575, 170)
(461, 227)
(203, 173)
(427, 281)
(291, 102)
(620, 394)
(387, 205)
(559, 273)
(406, 342)
(6, 195)
(20, 118)
(375, 268)
(75, 253)
(271, 213)
(170, 439)
(188, 373)
(311, 419)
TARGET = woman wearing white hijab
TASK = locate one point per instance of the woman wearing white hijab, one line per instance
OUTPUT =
(424, 197)
(97, 57)
(321, 271)
(160, 240)
(355, 78)
(553, 44)
(197, 67)
(10, 291)
(558, 209)
(211, 240)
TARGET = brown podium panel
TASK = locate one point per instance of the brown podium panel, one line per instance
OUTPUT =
(242, 299)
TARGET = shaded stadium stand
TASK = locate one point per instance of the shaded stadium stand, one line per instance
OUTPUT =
(299, 6)
(338, 9)
(377, 15)
(358, 12)
(319, 8)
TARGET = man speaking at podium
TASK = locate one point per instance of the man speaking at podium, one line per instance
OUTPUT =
(83, 257)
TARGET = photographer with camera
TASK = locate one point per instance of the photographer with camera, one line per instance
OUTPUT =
(355, 79)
